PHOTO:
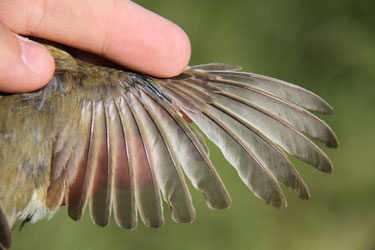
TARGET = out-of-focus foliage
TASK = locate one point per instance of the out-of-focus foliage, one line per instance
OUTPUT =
(325, 46)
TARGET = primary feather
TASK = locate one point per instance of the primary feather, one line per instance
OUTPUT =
(120, 141)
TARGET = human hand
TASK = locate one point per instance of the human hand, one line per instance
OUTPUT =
(119, 30)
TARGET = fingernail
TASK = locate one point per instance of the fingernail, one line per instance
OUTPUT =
(32, 54)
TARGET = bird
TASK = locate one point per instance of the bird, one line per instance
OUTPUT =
(122, 142)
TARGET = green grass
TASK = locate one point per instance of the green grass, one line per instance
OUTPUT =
(325, 46)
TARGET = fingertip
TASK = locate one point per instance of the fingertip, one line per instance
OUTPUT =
(39, 63)
(147, 42)
(27, 65)
(176, 57)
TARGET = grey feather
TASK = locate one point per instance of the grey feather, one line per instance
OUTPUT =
(124, 206)
(147, 189)
(192, 154)
(279, 88)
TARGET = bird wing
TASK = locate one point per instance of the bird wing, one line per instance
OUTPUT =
(125, 142)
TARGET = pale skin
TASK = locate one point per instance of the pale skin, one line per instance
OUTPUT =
(118, 30)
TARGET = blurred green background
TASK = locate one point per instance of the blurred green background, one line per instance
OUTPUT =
(325, 46)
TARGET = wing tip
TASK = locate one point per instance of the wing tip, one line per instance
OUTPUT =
(327, 167)
(74, 212)
(158, 223)
(276, 200)
(320, 106)
(333, 142)
(329, 171)
(301, 189)
(326, 108)
(304, 193)
(278, 203)
(223, 203)
(127, 224)
(5, 233)
(99, 220)
(187, 218)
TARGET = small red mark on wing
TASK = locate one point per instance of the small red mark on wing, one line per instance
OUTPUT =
(185, 116)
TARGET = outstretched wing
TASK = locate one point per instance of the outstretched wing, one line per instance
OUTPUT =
(126, 144)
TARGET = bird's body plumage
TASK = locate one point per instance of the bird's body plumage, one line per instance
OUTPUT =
(119, 142)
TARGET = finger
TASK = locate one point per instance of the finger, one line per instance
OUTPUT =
(117, 29)
(25, 65)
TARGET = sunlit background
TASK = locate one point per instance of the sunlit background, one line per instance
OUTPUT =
(325, 46)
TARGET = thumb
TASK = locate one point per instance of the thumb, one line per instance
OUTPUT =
(25, 65)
